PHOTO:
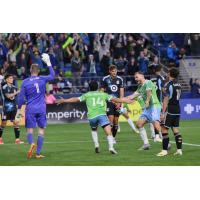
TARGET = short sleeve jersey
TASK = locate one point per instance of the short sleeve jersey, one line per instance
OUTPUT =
(96, 103)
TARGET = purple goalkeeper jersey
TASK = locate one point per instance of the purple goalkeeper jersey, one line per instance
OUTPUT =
(33, 90)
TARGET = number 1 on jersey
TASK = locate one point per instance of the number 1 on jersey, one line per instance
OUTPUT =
(37, 87)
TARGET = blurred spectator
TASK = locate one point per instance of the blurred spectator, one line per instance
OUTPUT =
(153, 65)
(12, 69)
(121, 65)
(195, 87)
(143, 63)
(195, 44)
(92, 66)
(106, 61)
(49, 98)
(132, 67)
(77, 70)
(172, 53)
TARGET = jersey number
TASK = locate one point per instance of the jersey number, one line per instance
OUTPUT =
(37, 87)
(178, 92)
(97, 101)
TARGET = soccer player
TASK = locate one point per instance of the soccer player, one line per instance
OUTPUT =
(151, 113)
(125, 112)
(113, 85)
(9, 93)
(96, 105)
(158, 80)
(33, 90)
(170, 114)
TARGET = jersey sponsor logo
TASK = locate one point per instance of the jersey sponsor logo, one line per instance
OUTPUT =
(114, 88)
(189, 109)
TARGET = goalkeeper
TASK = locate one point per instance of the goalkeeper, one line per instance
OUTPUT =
(33, 90)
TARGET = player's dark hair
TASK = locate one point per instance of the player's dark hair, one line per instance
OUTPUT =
(111, 67)
(8, 75)
(158, 68)
(139, 72)
(35, 69)
(93, 85)
(173, 72)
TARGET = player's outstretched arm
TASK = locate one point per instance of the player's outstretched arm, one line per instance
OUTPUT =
(133, 96)
(70, 100)
(46, 59)
(122, 100)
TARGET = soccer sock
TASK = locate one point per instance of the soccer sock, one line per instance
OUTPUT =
(95, 138)
(39, 143)
(17, 132)
(143, 135)
(130, 122)
(165, 141)
(1, 130)
(178, 139)
(152, 130)
(110, 141)
(114, 130)
(29, 137)
(157, 135)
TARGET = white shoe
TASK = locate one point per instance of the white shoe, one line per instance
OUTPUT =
(178, 152)
(144, 147)
(162, 153)
(112, 151)
(158, 139)
(136, 131)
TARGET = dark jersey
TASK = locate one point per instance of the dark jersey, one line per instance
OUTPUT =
(159, 83)
(9, 104)
(173, 91)
(112, 86)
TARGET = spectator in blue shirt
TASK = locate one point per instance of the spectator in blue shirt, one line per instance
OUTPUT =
(143, 63)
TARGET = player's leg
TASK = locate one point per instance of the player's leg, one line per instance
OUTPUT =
(151, 126)
(165, 137)
(3, 125)
(41, 122)
(16, 128)
(94, 125)
(177, 135)
(130, 122)
(30, 124)
(140, 125)
(105, 124)
(115, 125)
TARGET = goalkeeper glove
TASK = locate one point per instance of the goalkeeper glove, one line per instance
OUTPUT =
(46, 59)
(18, 116)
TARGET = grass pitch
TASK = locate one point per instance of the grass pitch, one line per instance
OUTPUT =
(71, 145)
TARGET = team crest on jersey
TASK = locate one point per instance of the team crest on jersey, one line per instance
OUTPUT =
(114, 88)
(117, 82)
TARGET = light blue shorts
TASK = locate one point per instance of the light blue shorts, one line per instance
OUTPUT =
(101, 120)
(151, 114)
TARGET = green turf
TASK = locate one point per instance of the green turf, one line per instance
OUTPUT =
(71, 145)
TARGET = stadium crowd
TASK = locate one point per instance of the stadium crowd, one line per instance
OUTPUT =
(78, 57)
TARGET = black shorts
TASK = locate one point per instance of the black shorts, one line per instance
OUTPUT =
(171, 121)
(8, 115)
(112, 110)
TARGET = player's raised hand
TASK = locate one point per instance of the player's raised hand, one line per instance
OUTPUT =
(60, 101)
(46, 59)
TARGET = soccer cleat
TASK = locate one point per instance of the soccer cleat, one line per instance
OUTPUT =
(144, 147)
(18, 141)
(39, 156)
(136, 131)
(178, 152)
(30, 152)
(97, 150)
(1, 141)
(157, 139)
(112, 151)
(162, 153)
